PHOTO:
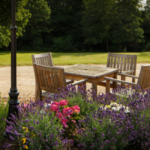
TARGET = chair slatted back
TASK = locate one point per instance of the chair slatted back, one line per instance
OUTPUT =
(43, 59)
(144, 77)
(122, 61)
(49, 78)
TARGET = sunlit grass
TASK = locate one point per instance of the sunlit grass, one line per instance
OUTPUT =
(24, 58)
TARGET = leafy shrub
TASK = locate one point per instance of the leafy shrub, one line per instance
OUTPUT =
(147, 47)
(3, 114)
(63, 44)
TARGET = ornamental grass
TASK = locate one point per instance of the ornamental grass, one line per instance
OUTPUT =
(81, 119)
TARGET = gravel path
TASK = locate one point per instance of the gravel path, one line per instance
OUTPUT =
(26, 81)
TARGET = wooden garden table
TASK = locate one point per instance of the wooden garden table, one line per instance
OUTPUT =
(94, 74)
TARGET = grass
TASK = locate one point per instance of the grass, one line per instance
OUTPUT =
(3, 114)
(24, 58)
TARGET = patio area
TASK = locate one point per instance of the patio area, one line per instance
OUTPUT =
(26, 82)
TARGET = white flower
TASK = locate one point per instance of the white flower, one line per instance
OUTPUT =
(43, 112)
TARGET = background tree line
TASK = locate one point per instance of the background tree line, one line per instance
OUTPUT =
(77, 25)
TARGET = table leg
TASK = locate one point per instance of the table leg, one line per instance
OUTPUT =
(115, 83)
(107, 86)
(94, 86)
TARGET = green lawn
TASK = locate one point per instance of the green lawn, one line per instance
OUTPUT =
(24, 58)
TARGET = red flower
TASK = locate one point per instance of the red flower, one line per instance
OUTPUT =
(56, 103)
(63, 119)
(59, 115)
(67, 111)
(76, 109)
(64, 124)
(63, 102)
(53, 107)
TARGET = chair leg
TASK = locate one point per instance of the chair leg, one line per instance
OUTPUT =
(38, 95)
(107, 86)
(133, 79)
(123, 78)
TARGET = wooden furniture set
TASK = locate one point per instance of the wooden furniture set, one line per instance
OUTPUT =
(94, 74)
(50, 78)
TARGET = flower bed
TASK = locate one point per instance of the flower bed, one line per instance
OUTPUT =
(72, 119)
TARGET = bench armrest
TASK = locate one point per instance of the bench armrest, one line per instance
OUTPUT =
(130, 71)
(128, 75)
(116, 80)
(80, 82)
(68, 81)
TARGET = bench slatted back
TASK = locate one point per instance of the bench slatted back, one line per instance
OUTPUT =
(144, 77)
(122, 61)
(49, 78)
(43, 59)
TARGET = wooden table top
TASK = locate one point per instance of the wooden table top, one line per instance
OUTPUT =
(89, 70)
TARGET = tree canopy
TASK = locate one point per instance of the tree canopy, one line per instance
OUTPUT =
(77, 25)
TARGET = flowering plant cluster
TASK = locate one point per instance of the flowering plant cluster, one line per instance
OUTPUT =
(99, 122)
(67, 115)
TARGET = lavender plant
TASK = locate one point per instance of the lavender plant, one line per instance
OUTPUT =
(109, 129)
(35, 129)
(102, 127)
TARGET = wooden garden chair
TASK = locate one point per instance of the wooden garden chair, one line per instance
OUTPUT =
(50, 79)
(43, 59)
(46, 60)
(143, 79)
(125, 63)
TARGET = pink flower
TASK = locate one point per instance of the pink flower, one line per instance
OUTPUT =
(63, 102)
(56, 103)
(73, 121)
(76, 109)
(67, 111)
(64, 124)
(53, 107)
(59, 115)
(25, 106)
(63, 119)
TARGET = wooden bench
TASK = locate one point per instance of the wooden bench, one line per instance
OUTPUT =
(46, 60)
(125, 63)
(50, 79)
(143, 79)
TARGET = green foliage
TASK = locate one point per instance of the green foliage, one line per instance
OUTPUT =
(65, 23)
(87, 25)
(63, 44)
(111, 21)
(3, 114)
(97, 20)
(146, 21)
(22, 18)
(37, 24)
(43, 129)
(147, 47)
(85, 107)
